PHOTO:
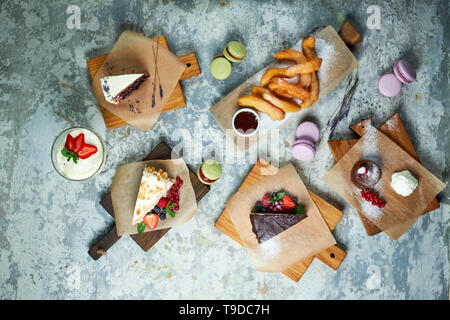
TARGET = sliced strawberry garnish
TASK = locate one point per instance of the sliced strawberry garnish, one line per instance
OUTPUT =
(79, 142)
(86, 151)
(265, 202)
(288, 204)
(70, 143)
(162, 203)
(151, 220)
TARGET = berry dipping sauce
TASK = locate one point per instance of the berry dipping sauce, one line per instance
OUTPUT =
(245, 122)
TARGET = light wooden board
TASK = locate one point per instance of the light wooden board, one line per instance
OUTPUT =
(396, 131)
(332, 256)
(175, 101)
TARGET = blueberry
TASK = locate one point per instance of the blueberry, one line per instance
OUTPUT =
(274, 194)
(162, 215)
(258, 205)
(295, 200)
(156, 209)
(263, 210)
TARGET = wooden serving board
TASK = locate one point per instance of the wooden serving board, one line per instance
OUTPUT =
(175, 101)
(396, 131)
(148, 239)
(332, 256)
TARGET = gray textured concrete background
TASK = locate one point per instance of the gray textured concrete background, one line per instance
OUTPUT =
(47, 224)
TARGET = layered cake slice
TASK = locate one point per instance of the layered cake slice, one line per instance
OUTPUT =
(268, 225)
(117, 88)
(154, 185)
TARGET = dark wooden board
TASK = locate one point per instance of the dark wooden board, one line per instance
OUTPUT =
(148, 239)
(396, 131)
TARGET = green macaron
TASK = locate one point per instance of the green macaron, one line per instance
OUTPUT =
(220, 68)
(209, 171)
(235, 51)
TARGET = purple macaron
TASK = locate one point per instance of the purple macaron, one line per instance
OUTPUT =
(308, 130)
(303, 151)
(389, 85)
(304, 141)
(405, 72)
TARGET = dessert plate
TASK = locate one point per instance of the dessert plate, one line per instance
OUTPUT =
(338, 62)
(332, 256)
(148, 239)
(396, 131)
(176, 99)
(391, 158)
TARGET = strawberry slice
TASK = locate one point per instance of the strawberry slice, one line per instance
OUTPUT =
(79, 142)
(151, 220)
(70, 143)
(265, 202)
(86, 151)
(288, 204)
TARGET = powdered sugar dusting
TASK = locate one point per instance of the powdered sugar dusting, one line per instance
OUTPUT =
(370, 143)
(270, 249)
(392, 124)
(370, 211)
(327, 52)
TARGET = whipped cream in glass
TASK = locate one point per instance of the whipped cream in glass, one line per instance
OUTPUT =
(84, 168)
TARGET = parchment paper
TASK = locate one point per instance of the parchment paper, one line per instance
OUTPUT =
(399, 210)
(304, 239)
(338, 62)
(133, 53)
(125, 187)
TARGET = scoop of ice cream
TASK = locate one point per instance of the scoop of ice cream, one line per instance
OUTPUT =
(404, 183)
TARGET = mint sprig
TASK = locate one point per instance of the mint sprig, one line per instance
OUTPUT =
(69, 155)
(141, 227)
(299, 209)
(169, 207)
(278, 197)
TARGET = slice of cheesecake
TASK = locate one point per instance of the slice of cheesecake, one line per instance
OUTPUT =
(117, 88)
(268, 225)
(154, 185)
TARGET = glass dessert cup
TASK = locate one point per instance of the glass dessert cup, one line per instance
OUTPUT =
(365, 174)
(84, 168)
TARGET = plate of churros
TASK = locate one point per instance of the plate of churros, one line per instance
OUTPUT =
(295, 81)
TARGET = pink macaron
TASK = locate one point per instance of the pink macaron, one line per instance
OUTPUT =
(304, 141)
(303, 151)
(308, 130)
(389, 85)
(404, 71)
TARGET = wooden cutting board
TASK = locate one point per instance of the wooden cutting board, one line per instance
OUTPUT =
(332, 256)
(175, 101)
(148, 239)
(396, 131)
